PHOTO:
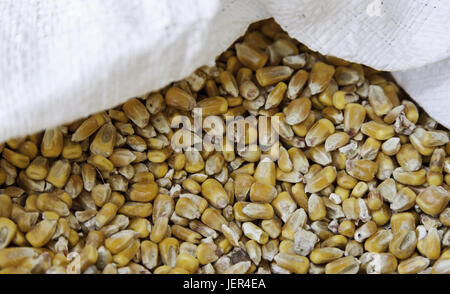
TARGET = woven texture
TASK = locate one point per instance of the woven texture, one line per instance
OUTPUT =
(62, 60)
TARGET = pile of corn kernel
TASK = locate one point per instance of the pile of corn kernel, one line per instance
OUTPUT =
(357, 183)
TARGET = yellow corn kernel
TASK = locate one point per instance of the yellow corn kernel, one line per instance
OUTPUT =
(430, 244)
(105, 214)
(233, 65)
(59, 173)
(179, 99)
(338, 159)
(258, 210)
(302, 128)
(50, 202)
(254, 232)
(343, 265)
(187, 262)
(292, 262)
(377, 130)
(297, 219)
(346, 181)
(326, 96)
(411, 111)
(359, 189)
(190, 207)
(136, 112)
(413, 265)
(136, 209)
(437, 160)
(213, 219)
(250, 56)
(354, 116)
(276, 96)
(284, 205)
(347, 228)
(385, 166)
(52, 143)
(101, 163)
(403, 200)
(213, 106)
(186, 234)
(88, 257)
(325, 255)
(378, 242)
(333, 114)
(126, 255)
(287, 246)
(403, 221)
(319, 132)
(159, 156)
(120, 241)
(391, 90)
(433, 200)
(361, 169)
(414, 178)
(239, 214)
(441, 266)
(273, 74)
(71, 150)
(41, 233)
(8, 231)
(177, 161)
(417, 138)
(316, 208)
(369, 150)
(391, 146)
(296, 84)
(321, 179)
(320, 77)
(13, 256)
(265, 172)
(380, 103)
(143, 192)
(5, 206)
(229, 83)
(163, 270)
(16, 159)
(336, 140)
(351, 208)
(104, 141)
(342, 98)
(444, 217)
(299, 195)
(338, 241)
(15, 142)
(403, 243)
(192, 186)
(297, 111)
(159, 170)
(434, 138)
(381, 216)
(87, 128)
(149, 254)
(120, 115)
(206, 253)
(194, 161)
(214, 192)
(408, 158)
(2, 176)
(249, 90)
(365, 231)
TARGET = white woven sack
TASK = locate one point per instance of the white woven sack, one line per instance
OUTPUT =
(65, 59)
